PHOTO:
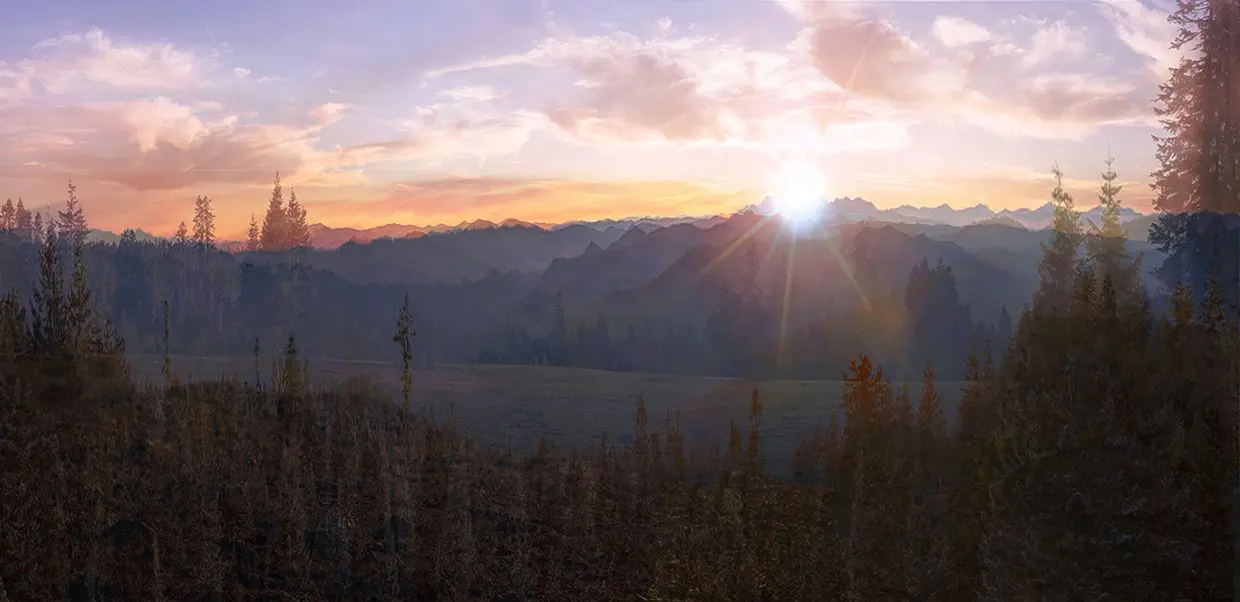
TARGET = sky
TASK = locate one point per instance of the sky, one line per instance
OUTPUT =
(439, 111)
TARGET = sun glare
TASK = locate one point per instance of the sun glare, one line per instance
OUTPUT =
(800, 192)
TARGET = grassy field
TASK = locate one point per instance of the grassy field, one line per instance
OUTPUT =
(501, 405)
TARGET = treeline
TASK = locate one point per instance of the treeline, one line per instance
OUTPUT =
(1097, 459)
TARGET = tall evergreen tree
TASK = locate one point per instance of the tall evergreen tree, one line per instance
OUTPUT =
(1197, 182)
(1107, 243)
(204, 223)
(253, 241)
(298, 231)
(1060, 262)
(72, 220)
(49, 324)
(181, 236)
(23, 222)
(8, 216)
(275, 225)
(36, 224)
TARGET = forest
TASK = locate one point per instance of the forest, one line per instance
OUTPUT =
(1096, 453)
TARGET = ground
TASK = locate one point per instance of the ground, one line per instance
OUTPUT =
(502, 405)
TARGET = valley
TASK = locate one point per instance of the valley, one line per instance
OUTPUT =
(502, 405)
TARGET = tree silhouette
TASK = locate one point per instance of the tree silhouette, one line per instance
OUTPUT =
(204, 223)
(403, 338)
(298, 235)
(253, 241)
(72, 220)
(274, 235)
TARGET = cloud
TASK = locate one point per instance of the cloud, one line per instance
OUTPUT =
(691, 90)
(329, 113)
(480, 93)
(1146, 31)
(93, 57)
(1056, 40)
(955, 32)
(155, 144)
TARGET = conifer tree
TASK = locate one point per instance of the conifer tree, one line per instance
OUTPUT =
(403, 338)
(49, 323)
(1059, 263)
(36, 224)
(292, 380)
(1107, 244)
(253, 242)
(204, 223)
(84, 332)
(72, 220)
(274, 236)
(24, 225)
(298, 230)
(180, 238)
(1198, 178)
(8, 216)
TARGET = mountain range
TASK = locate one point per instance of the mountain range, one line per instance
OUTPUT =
(841, 209)
(844, 209)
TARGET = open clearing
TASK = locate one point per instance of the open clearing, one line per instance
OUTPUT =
(501, 405)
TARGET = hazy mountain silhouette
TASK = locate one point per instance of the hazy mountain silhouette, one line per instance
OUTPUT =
(468, 252)
(857, 209)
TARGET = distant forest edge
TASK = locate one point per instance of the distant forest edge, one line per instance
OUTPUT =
(737, 297)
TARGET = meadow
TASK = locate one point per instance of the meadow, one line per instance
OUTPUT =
(572, 407)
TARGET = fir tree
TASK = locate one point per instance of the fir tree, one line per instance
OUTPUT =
(1059, 265)
(180, 238)
(1198, 178)
(298, 231)
(274, 236)
(72, 220)
(204, 223)
(1107, 244)
(24, 224)
(36, 224)
(253, 242)
(49, 320)
(8, 216)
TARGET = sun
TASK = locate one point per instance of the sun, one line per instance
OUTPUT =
(799, 193)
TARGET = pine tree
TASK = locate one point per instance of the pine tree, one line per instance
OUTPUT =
(253, 242)
(35, 224)
(275, 225)
(403, 336)
(84, 332)
(181, 237)
(8, 216)
(1059, 264)
(23, 223)
(298, 230)
(72, 220)
(1107, 244)
(292, 380)
(49, 323)
(1198, 178)
(204, 223)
